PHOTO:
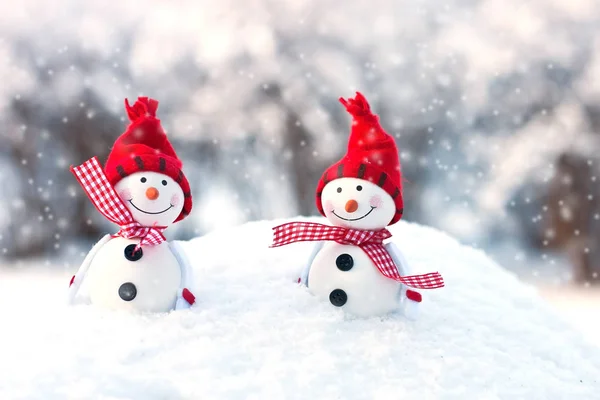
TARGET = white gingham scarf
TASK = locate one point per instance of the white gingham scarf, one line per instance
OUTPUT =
(371, 242)
(92, 179)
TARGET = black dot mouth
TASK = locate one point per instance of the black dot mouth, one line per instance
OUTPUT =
(148, 212)
(354, 219)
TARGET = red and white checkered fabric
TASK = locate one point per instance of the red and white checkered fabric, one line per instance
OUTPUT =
(371, 242)
(92, 179)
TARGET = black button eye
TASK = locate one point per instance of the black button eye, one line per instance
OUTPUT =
(164, 183)
(359, 188)
(143, 180)
(339, 190)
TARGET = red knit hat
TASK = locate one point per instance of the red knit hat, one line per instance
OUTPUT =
(144, 146)
(372, 155)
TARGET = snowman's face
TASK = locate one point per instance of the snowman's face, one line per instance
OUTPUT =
(153, 199)
(357, 204)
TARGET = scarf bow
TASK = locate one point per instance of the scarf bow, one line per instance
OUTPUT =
(371, 242)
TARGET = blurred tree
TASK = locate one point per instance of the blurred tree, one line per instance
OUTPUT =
(573, 221)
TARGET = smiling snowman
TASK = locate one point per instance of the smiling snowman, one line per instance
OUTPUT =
(143, 190)
(360, 195)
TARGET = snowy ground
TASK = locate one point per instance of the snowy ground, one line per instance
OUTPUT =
(255, 334)
(580, 306)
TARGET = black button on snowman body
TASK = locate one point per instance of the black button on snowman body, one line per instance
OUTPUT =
(338, 297)
(131, 254)
(127, 291)
(344, 262)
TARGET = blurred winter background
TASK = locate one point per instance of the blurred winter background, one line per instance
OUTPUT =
(494, 104)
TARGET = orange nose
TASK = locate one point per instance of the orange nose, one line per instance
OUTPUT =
(351, 206)
(152, 193)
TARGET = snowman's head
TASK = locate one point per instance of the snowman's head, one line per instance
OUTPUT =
(153, 199)
(357, 204)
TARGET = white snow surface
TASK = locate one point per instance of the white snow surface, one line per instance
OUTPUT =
(256, 334)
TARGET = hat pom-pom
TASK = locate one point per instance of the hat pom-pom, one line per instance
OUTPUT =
(143, 107)
(358, 107)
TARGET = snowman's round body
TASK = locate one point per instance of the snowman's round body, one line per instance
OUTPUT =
(345, 276)
(119, 278)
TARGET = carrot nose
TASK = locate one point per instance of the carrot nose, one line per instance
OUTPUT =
(351, 206)
(152, 193)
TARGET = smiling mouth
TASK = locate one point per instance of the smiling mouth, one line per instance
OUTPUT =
(148, 212)
(354, 219)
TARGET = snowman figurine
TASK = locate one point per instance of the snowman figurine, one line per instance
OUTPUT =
(143, 190)
(360, 195)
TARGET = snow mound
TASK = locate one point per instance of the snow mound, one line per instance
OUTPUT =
(256, 334)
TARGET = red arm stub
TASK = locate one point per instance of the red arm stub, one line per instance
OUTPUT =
(414, 296)
(188, 296)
